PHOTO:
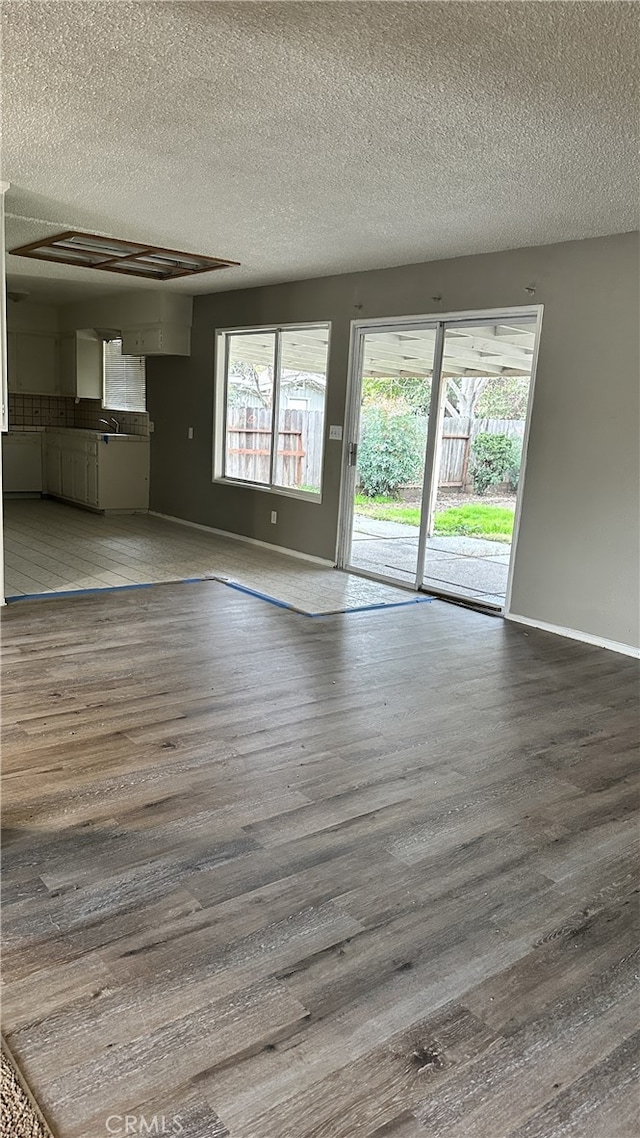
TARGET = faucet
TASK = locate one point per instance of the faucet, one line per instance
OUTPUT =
(105, 421)
(115, 423)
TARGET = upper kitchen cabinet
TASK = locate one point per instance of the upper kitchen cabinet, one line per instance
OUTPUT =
(32, 332)
(164, 339)
(31, 363)
(150, 323)
(80, 364)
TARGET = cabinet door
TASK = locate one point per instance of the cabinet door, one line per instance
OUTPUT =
(131, 342)
(36, 364)
(80, 477)
(67, 474)
(158, 340)
(151, 341)
(89, 365)
(67, 365)
(92, 480)
(53, 470)
(12, 374)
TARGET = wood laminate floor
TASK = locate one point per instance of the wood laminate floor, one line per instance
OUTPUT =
(370, 876)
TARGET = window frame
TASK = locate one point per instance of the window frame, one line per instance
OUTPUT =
(221, 373)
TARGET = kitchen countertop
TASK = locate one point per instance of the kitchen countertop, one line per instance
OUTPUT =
(81, 432)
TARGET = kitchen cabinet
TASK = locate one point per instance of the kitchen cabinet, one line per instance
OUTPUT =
(91, 484)
(32, 363)
(123, 473)
(74, 471)
(52, 477)
(22, 462)
(66, 471)
(80, 364)
(157, 340)
(71, 466)
(105, 472)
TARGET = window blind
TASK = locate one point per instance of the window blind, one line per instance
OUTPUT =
(124, 383)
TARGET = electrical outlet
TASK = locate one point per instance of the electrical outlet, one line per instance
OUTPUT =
(274, 517)
(335, 432)
(189, 432)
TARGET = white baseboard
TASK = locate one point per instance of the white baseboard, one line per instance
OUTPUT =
(249, 540)
(574, 634)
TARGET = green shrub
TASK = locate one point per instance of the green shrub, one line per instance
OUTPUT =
(390, 451)
(513, 473)
(494, 458)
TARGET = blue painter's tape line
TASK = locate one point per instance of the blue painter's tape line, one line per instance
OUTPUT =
(262, 597)
(315, 615)
(373, 608)
(76, 592)
(107, 589)
(230, 585)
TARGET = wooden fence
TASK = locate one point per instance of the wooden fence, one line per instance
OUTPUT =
(458, 435)
(300, 442)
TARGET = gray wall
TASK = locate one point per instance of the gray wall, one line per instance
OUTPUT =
(126, 310)
(578, 554)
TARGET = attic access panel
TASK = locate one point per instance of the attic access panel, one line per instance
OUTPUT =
(91, 251)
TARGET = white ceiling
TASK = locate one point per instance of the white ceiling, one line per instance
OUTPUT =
(305, 139)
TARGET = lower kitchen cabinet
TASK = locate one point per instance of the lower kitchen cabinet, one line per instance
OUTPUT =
(53, 467)
(91, 487)
(104, 472)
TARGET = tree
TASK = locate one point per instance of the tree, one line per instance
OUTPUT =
(504, 397)
(413, 390)
(463, 394)
(249, 385)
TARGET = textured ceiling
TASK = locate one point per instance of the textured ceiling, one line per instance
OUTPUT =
(305, 139)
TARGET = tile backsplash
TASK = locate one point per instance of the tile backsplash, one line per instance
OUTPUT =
(27, 412)
(88, 413)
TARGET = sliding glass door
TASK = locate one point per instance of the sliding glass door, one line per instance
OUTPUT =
(482, 415)
(435, 439)
(388, 458)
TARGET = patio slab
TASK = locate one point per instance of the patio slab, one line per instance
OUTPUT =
(472, 567)
(372, 527)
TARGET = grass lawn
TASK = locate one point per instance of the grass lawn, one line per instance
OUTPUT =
(474, 520)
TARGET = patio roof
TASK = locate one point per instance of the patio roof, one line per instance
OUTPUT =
(486, 350)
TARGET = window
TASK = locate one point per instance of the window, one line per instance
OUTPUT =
(273, 407)
(124, 379)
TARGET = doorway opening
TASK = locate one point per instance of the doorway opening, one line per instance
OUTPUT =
(437, 431)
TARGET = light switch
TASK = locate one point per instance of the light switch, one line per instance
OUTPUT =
(335, 432)
(190, 433)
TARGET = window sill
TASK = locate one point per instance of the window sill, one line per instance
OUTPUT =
(281, 491)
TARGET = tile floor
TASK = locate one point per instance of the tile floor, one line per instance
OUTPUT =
(51, 547)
